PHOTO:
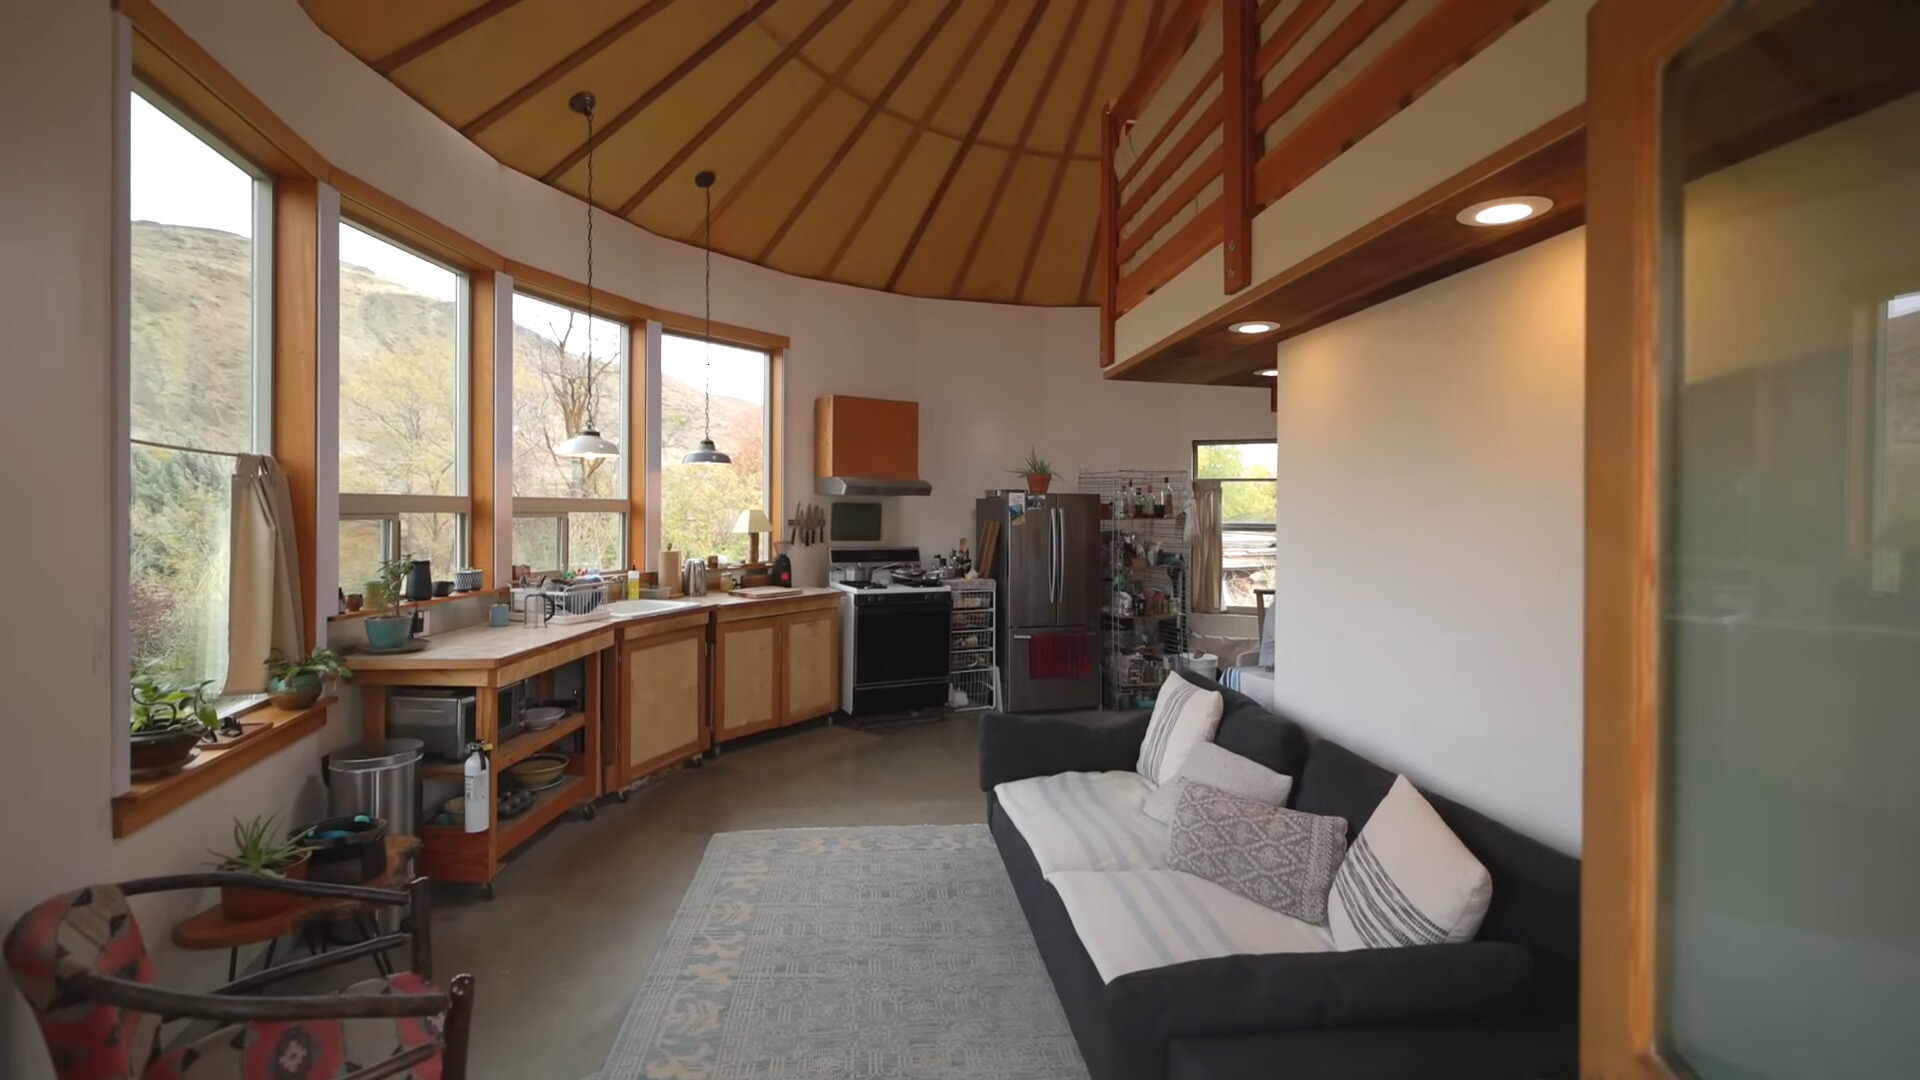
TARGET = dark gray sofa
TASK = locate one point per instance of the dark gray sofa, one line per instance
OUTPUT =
(1501, 1007)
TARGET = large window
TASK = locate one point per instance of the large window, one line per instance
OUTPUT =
(403, 359)
(198, 382)
(569, 373)
(1247, 514)
(699, 504)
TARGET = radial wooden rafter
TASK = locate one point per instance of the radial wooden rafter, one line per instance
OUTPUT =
(873, 110)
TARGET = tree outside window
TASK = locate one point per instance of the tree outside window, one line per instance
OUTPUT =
(569, 373)
(699, 504)
(1248, 514)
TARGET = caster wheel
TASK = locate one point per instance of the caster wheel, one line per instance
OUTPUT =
(623, 794)
(488, 890)
(699, 762)
(588, 812)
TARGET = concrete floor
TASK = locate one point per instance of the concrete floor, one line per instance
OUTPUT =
(559, 954)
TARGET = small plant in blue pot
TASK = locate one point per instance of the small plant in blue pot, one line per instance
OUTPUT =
(296, 684)
(390, 630)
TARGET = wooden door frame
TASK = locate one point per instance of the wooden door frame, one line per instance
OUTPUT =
(1630, 43)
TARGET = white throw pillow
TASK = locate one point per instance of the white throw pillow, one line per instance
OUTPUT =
(1184, 716)
(1407, 880)
(1216, 767)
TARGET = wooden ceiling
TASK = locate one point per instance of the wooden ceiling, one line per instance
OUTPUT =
(945, 148)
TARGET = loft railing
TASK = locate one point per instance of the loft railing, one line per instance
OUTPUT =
(1240, 102)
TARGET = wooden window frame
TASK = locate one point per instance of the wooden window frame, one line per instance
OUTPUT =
(1630, 44)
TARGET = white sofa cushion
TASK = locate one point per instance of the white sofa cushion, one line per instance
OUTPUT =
(1184, 716)
(1407, 880)
(1085, 821)
(1136, 920)
(1216, 766)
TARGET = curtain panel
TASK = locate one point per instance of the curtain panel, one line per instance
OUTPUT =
(1203, 547)
(263, 587)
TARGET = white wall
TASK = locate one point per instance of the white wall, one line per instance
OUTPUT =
(991, 380)
(1430, 535)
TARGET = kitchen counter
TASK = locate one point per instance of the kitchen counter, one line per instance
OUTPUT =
(488, 647)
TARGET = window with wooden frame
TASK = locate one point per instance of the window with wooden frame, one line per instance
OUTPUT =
(200, 379)
(727, 390)
(1245, 469)
(570, 373)
(404, 413)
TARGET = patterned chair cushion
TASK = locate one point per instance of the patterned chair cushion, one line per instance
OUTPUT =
(307, 1049)
(88, 931)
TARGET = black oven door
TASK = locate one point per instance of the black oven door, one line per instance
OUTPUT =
(901, 640)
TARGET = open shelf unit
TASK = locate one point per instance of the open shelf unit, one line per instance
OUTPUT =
(514, 750)
(1144, 575)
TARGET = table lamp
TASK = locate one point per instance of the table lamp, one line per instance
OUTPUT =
(753, 522)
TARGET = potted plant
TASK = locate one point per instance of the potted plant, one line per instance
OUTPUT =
(259, 847)
(390, 631)
(1038, 474)
(168, 722)
(296, 684)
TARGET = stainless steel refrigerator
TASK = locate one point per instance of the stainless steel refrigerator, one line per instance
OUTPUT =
(1046, 570)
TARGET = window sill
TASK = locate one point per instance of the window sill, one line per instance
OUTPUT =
(409, 605)
(147, 801)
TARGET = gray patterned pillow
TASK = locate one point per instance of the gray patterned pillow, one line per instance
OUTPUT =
(1271, 855)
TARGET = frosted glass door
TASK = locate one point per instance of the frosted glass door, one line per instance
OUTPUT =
(1788, 942)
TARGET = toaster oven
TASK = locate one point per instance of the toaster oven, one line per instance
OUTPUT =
(444, 720)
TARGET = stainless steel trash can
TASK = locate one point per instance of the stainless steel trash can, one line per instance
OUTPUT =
(377, 779)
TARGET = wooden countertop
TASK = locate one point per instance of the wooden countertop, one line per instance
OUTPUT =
(486, 647)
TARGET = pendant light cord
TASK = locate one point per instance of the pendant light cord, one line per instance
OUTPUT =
(707, 426)
(591, 396)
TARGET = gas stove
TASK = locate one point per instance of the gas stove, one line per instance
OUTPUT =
(894, 633)
(872, 572)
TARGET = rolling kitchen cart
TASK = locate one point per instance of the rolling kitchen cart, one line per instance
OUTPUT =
(973, 667)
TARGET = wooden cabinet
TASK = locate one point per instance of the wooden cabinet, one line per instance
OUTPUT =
(872, 437)
(747, 672)
(660, 684)
(812, 665)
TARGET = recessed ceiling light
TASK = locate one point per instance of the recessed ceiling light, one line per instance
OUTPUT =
(1268, 372)
(1505, 211)
(1256, 326)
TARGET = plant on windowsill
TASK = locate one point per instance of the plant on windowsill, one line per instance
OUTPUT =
(260, 848)
(296, 684)
(168, 722)
(1036, 471)
(391, 630)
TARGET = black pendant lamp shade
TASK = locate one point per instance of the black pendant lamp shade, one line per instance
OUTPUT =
(587, 443)
(708, 454)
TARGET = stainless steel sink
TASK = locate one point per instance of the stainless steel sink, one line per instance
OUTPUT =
(636, 609)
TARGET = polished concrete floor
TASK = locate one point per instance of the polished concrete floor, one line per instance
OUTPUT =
(559, 953)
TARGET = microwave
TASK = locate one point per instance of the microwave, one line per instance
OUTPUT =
(444, 720)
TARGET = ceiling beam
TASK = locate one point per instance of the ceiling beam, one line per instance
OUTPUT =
(1026, 129)
(472, 128)
(669, 81)
(1170, 45)
(719, 120)
(920, 128)
(1082, 114)
(1153, 29)
(421, 46)
(966, 144)
(890, 14)
(866, 120)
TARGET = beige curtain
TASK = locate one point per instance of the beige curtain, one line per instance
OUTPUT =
(263, 585)
(1203, 547)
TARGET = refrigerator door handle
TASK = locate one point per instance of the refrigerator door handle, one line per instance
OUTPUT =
(1059, 555)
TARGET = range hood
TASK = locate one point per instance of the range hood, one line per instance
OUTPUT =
(866, 446)
(869, 485)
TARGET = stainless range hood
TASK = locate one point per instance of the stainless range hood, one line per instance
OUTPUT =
(869, 485)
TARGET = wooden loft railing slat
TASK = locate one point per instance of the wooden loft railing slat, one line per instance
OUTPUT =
(1160, 62)
(1239, 37)
(1183, 150)
(1173, 124)
(1288, 34)
(1189, 189)
(1180, 251)
(1352, 32)
(1446, 38)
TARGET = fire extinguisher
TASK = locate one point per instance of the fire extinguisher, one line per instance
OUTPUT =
(479, 817)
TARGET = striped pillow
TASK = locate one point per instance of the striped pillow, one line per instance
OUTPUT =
(1407, 880)
(1184, 716)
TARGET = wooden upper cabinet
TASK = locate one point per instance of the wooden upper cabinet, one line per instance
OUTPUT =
(866, 437)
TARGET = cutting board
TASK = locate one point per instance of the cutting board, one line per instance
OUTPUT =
(763, 592)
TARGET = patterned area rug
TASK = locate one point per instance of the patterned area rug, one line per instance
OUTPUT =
(829, 953)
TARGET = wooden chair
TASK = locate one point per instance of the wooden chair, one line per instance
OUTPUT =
(82, 965)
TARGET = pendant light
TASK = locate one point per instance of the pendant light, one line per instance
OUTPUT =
(588, 444)
(708, 454)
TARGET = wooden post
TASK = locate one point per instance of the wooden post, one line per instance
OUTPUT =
(296, 358)
(1109, 238)
(1240, 39)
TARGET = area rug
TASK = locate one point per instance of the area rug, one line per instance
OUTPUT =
(830, 953)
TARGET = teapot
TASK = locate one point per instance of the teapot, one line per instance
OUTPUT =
(694, 577)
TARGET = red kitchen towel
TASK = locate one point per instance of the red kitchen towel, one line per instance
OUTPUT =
(1060, 656)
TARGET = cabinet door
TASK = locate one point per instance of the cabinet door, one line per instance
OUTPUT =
(813, 665)
(746, 677)
(665, 701)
